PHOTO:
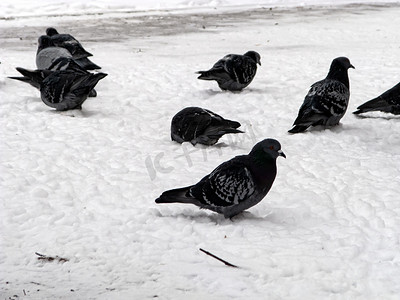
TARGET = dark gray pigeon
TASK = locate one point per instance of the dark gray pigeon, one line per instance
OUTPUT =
(388, 102)
(200, 126)
(235, 185)
(48, 52)
(327, 100)
(36, 77)
(65, 90)
(233, 72)
(68, 42)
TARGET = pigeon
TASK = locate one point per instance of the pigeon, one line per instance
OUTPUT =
(200, 126)
(48, 52)
(68, 42)
(235, 185)
(388, 102)
(36, 77)
(233, 72)
(66, 89)
(327, 100)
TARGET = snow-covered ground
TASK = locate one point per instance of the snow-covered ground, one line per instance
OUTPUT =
(81, 185)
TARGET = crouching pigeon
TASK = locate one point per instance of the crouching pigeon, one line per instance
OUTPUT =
(233, 72)
(200, 126)
(68, 42)
(49, 50)
(327, 100)
(235, 185)
(66, 89)
(36, 77)
(388, 102)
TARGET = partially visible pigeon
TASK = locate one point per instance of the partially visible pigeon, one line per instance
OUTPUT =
(68, 42)
(388, 102)
(235, 185)
(199, 125)
(327, 100)
(36, 77)
(233, 72)
(47, 53)
(67, 89)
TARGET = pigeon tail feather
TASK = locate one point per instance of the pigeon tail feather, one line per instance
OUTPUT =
(372, 105)
(298, 128)
(213, 74)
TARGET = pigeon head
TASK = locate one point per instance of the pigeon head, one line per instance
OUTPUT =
(51, 31)
(268, 148)
(338, 70)
(44, 41)
(342, 63)
(254, 55)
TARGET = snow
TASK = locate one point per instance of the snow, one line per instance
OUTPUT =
(82, 185)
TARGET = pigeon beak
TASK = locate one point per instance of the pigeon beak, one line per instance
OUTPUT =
(259, 62)
(351, 66)
(281, 153)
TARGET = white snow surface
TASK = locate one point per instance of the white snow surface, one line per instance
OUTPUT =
(81, 185)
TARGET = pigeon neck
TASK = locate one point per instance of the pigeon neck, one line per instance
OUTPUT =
(339, 74)
(262, 158)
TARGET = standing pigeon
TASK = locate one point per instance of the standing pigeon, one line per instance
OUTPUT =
(327, 100)
(388, 102)
(199, 125)
(233, 72)
(67, 89)
(235, 185)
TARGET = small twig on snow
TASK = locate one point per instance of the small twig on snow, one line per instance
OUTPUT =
(50, 258)
(217, 258)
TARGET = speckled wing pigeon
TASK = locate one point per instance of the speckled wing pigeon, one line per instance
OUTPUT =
(36, 77)
(200, 126)
(327, 100)
(64, 90)
(235, 185)
(233, 72)
(388, 102)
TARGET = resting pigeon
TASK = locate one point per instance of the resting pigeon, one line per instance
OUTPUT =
(36, 77)
(388, 102)
(48, 52)
(67, 89)
(327, 100)
(68, 42)
(233, 72)
(235, 185)
(199, 125)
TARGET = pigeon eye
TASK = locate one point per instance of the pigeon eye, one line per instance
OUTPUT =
(271, 147)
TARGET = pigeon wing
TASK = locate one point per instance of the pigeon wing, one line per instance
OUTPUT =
(229, 184)
(241, 69)
(330, 98)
